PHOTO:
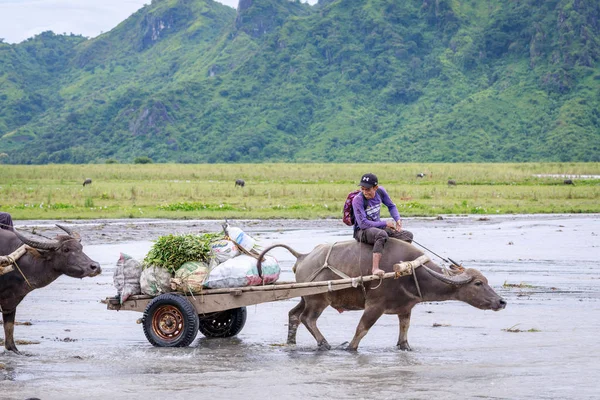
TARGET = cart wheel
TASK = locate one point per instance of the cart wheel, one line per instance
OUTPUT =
(223, 324)
(170, 320)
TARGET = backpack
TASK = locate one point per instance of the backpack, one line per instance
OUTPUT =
(348, 212)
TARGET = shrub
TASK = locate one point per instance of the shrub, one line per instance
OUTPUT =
(142, 160)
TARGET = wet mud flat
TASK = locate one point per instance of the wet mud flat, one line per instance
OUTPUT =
(544, 345)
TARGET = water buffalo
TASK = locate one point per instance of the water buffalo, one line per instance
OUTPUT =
(87, 181)
(451, 182)
(389, 296)
(240, 183)
(43, 263)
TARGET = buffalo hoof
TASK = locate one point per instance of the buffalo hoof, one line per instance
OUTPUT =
(324, 346)
(352, 349)
(404, 346)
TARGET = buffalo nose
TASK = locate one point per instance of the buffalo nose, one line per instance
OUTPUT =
(502, 303)
(95, 267)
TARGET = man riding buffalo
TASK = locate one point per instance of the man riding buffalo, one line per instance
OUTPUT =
(368, 226)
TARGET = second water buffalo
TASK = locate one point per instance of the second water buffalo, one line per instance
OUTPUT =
(43, 262)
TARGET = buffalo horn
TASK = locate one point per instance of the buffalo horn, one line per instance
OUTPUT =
(53, 245)
(72, 234)
(453, 280)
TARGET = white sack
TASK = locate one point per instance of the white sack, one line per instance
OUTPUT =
(189, 278)
(127, 277)
(223, 250)
(155, 280)
(241, 271)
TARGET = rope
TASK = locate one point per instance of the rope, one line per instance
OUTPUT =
(414, 273)
(326, 265)
(405, 268)
(449, 260)
(358, 280)
(362, 283)
(13, 261)
(380, 281)
(432, 252)
(22, 274)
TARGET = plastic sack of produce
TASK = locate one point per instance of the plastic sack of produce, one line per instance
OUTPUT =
(242, 271)
(155, 281)
(127, 277)
(223, 250)
(189, 278)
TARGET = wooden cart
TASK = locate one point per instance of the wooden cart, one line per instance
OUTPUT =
(174, 319)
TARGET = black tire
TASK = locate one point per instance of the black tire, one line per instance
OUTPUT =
(170, 320)
(223, 324)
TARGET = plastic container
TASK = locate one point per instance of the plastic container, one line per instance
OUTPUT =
(241, 238)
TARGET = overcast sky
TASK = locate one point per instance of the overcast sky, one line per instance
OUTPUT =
(22, 19)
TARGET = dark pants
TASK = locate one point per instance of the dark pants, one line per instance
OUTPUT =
(6, 221)
(377, 237)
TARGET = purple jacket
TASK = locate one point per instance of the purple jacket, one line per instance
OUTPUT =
(369, 217)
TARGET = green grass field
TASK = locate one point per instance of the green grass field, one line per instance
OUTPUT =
(304, 191)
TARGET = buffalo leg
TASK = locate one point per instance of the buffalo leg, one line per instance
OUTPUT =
(312, 311)
(9, 329)
(403, 337)
(294, 321)
(369, 317)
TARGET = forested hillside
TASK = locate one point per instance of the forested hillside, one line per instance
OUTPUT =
(194, 81)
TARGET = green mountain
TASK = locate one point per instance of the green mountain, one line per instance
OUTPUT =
(194, 81)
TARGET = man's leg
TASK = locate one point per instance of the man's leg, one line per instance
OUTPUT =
(377, 237)
(375, 270)
(402, 235)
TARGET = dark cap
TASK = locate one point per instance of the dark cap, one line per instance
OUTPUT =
(368, 181)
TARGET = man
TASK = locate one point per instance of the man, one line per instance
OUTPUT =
(368, 226)
(6, 221)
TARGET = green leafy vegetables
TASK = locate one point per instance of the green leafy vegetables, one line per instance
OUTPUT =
(171, 251)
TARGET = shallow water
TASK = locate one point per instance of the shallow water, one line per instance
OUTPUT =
(87, 351)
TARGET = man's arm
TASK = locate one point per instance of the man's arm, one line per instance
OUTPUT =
(385, 199)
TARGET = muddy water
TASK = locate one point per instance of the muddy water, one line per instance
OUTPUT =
(86, 351)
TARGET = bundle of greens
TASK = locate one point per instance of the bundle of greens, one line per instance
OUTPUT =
(172, 251)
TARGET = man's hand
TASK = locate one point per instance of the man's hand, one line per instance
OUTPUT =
(398, 225)
(390, 224)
